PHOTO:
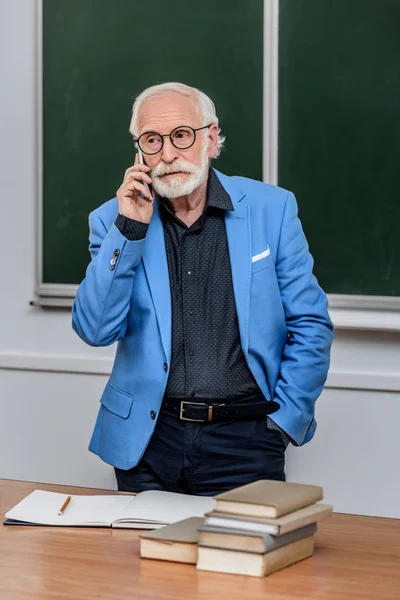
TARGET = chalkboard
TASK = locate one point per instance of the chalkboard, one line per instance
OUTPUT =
(97, 55)
(339, 137)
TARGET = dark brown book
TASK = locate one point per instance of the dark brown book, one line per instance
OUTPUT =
(250, 541)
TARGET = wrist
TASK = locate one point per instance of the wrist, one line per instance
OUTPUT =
(132, 229)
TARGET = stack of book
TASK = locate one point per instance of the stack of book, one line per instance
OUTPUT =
(256, 529)
(260, 528)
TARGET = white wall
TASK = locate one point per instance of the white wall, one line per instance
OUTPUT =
(49, 389)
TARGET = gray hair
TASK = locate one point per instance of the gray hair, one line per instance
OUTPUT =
(204, 104)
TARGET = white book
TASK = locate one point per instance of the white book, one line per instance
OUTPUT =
(146, 510)
(281, 525)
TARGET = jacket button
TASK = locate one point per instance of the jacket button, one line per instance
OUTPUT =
(165, 367)
(152, 414)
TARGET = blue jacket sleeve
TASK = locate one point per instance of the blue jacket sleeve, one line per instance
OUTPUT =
(306, 355)
(99, 312)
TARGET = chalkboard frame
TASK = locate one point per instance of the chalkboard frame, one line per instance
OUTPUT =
(52, 294)
(62, 295)
(47, 294)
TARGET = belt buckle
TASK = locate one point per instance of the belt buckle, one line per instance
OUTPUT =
(182, 418)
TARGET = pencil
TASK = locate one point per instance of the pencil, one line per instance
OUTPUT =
(64, 506)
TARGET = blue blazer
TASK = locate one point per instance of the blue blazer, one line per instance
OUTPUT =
(285, 330)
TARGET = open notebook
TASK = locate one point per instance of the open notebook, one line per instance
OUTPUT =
(147, 510)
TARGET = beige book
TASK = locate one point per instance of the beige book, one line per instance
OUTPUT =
(279, 526)
(268, 498)
(177, 542)
(256, 565)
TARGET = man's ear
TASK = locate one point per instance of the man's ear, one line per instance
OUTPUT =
(212, 140)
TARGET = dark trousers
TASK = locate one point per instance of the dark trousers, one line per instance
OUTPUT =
(206, 458)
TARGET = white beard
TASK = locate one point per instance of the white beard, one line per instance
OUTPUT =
(178, 186)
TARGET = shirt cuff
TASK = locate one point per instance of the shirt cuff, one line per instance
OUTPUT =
(130, 228)
(272, 425)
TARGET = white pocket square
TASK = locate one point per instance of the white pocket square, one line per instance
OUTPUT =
(264, 254)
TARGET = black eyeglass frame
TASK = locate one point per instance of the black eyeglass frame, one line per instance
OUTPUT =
(137, 140)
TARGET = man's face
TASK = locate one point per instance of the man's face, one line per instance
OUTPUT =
(177, 172)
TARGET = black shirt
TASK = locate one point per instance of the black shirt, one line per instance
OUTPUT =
(207, 360)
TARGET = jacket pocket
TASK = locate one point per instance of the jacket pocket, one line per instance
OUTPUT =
(262, 263)
(116, 401)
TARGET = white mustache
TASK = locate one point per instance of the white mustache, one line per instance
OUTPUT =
(178, 165)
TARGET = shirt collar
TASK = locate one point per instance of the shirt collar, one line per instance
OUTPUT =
(217, 196)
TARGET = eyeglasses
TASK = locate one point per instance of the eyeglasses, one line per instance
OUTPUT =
(182, 137)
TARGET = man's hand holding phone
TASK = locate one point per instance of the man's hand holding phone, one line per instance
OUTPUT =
(135, 200)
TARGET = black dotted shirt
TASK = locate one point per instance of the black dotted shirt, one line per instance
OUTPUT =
(207, 359)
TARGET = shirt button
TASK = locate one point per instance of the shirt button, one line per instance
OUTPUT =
(152, 414)
(165, 367)
(191, 352)
(189, 272)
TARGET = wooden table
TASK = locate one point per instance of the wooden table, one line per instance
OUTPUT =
(355, 557)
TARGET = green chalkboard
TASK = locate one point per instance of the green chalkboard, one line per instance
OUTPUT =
(97, 55)
(339, 137)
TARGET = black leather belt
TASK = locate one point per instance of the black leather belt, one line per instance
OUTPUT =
(207, 412)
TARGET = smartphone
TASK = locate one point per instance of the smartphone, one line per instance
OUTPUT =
(142, 163)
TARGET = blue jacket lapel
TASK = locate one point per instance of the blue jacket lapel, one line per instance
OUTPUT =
(238, 232)
(156, 267)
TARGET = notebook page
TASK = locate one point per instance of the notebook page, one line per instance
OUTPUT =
(42, 507)
(165, 507)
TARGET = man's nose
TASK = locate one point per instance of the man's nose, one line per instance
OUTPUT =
(168, 153)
